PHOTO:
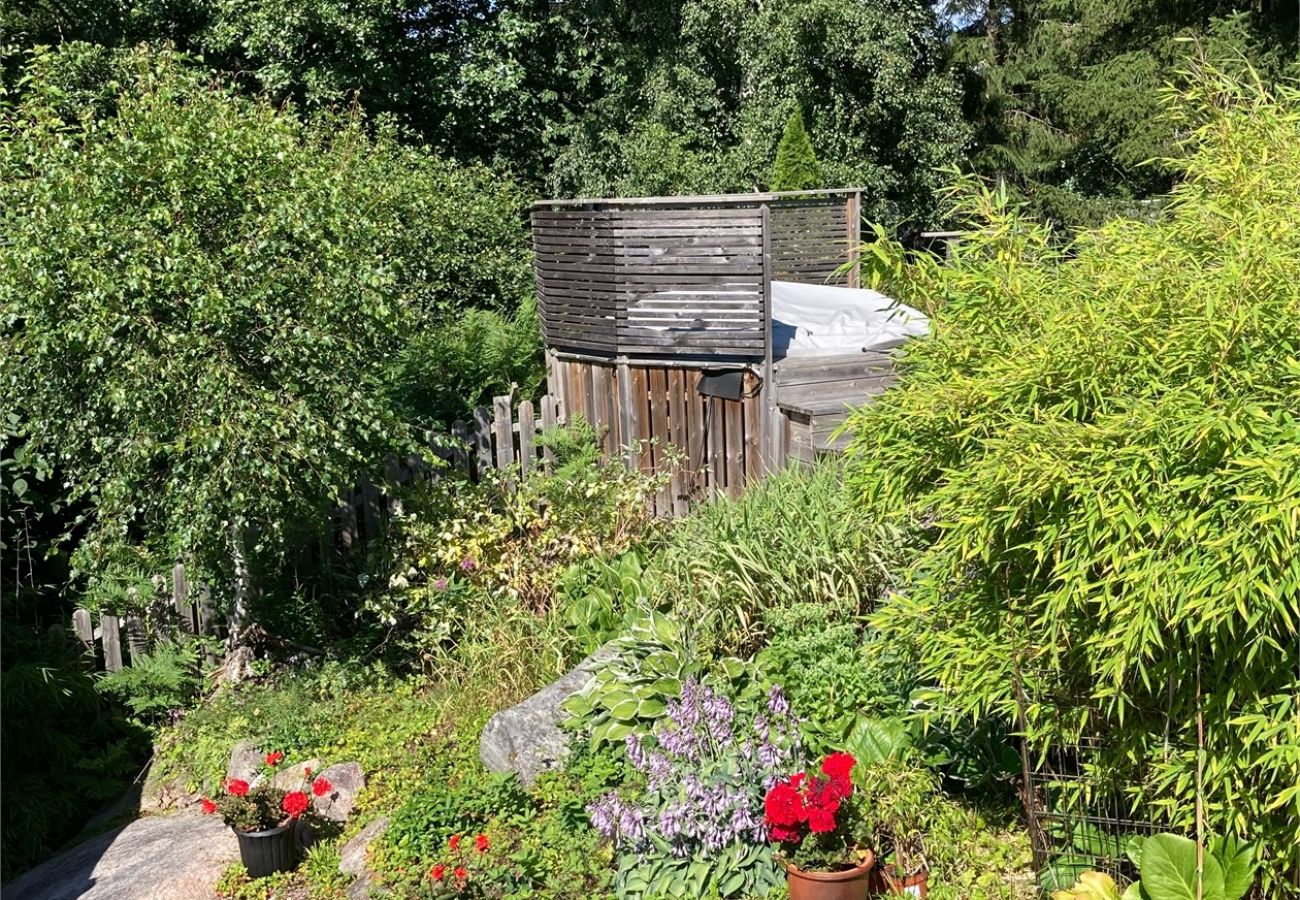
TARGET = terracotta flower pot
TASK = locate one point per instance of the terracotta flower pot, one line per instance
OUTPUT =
(849, 884)
(886, 880)
(267, 852)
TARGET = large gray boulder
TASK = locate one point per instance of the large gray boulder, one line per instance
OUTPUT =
(178, 857)
(527, 739)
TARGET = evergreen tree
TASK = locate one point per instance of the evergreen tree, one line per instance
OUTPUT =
(796, 167)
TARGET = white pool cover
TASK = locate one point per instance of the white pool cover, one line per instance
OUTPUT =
(824, 320)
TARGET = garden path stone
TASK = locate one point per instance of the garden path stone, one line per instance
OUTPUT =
(177, 857)
(352, 859)
(528, 738)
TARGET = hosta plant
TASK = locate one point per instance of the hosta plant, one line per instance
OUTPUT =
(645, 670)
(696, 827)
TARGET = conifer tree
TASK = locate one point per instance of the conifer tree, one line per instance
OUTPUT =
(796, 167)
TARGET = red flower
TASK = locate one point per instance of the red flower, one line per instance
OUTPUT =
(306, 771)
(783, 834)
(437, 872)
(208, 807)
(237, 787)
(273, 758)
(837, 767)
(821, 820)
(454, 842)
(461, 873)
(295, 803)
(783, 805)
(481, 843)
(321, 786)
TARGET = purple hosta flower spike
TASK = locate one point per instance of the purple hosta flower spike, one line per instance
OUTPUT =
(777, 704)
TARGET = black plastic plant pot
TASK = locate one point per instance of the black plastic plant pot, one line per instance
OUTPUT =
(267, 852)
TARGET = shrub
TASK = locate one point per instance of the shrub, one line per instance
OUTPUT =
(1100, 443)
(834, 672)
(202, 293)
(796, 166)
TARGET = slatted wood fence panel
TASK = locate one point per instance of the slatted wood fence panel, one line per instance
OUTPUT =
(184, 610)
(812, 238)
(658, 421)
(652, 281)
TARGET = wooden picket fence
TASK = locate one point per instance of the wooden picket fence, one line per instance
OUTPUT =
(116, 639)
(500, 437)
(497, 438)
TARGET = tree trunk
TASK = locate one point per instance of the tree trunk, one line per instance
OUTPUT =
(239, 655)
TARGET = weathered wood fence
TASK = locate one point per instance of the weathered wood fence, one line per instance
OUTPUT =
(502, 437)
(116, 639)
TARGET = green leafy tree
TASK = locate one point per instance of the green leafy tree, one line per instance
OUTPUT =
(699, 107)
(201, 297)
(796, 165)
(1098, 446)
(1065, 96)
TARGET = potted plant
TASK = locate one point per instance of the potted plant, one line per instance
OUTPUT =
(265, 818)
(816, 823)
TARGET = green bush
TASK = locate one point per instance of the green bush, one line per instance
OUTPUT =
(1100, 445)
(833, 671)
(64, 752)
(202, 295)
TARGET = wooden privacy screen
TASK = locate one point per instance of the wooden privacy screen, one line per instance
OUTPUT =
(812, 239)
(658, 420)
(652, 281)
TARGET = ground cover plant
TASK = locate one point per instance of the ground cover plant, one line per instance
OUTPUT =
(1098, 446)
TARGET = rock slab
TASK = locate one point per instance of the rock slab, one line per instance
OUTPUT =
(528, 739)
(347, 780)
(178, 857)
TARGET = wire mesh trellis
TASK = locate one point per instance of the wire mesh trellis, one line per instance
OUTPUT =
(1081, 816)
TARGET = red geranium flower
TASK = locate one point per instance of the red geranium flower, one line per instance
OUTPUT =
(783, 805)
(274, 757)
(821, 820)
(461, 873)
(454, 842)
(321, 786)
(437, 872)
(208, 807)
(295, 803)
(837, 767)
(481, 843)
(237, 787)
(783, 834)
(306, 771)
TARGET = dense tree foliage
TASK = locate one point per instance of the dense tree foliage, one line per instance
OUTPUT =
(1065, 93)
(201, 297)
(1101, 450)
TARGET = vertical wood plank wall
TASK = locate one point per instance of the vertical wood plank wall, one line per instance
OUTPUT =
(655, 414)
